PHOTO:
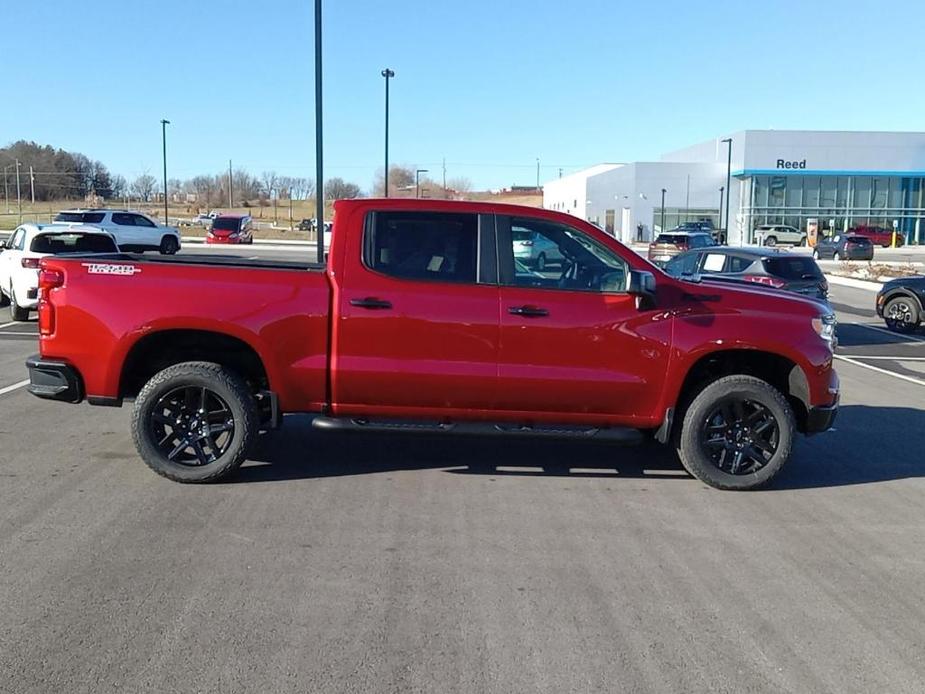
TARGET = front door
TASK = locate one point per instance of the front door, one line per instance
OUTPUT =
(417, 317)
(574, 345)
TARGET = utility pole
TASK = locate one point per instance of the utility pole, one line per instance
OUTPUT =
(230, 187)
(388, 74)
(319, 139)
(663, 210)
(537, 173)
(32, 184)
(290, 208)
(18, 193)
(444, 177)
(6, 187)
(164, 124)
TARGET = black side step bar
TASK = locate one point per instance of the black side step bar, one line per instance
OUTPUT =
(620, 435)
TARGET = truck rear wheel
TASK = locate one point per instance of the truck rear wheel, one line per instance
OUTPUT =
(194, 422)
(737, 433)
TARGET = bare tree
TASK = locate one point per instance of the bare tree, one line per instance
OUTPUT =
(400, 176)
(339, 189)
(268, 180)
(459, 184)
(143, 187)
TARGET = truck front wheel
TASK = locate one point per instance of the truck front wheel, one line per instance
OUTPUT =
(194, 422)
(737, 433)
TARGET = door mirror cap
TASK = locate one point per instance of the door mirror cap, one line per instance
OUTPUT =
(642, 286)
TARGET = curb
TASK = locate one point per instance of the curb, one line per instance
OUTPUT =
(857, 284)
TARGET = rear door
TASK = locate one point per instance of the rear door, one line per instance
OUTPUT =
(417, 331)
(11, 257)
(574, 346)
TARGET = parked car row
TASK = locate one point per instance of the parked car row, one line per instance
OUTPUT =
(132, 231)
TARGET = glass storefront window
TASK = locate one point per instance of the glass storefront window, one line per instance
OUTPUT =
(760, 187)
(841, 192)
(861, 192)
(794, 193)
(879, 189)
(810, 191)
(827, 197)
(776, 188)
(895, 199)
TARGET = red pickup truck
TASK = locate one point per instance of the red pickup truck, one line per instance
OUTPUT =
(423, 320)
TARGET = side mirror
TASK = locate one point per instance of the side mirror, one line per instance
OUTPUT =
(642, 286)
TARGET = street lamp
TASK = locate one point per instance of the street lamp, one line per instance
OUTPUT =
(721, 190)
(728, 141)
(663, 210)
(164, 124)
(388, 74)
(417, 182)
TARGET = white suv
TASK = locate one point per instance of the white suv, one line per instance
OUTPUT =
(133, 231)
(773, 234)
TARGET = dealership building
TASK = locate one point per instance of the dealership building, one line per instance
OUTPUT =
(836, 180)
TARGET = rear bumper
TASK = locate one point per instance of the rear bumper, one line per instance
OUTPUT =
(223, 240)
(54, 380)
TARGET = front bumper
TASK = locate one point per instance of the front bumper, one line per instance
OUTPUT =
(819, 419)
(54, 380)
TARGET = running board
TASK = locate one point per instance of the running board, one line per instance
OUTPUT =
(620, 435)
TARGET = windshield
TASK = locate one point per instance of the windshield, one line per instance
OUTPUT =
(226, 224)
(56, 244)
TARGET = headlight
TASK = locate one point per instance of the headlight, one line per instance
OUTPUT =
(825, 327)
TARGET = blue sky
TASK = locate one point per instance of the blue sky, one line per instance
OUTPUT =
(490, 86)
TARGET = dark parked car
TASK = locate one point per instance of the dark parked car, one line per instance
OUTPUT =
(843, 246)
(306, 225)
(670, 243)
(770, 267)
(900, 303)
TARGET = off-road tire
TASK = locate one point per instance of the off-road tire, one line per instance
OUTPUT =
(699, 464)
(229, 387)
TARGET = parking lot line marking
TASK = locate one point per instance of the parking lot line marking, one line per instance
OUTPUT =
(881, 358)
(10, 389)
(910, 339)
(17, 332)
(910, 379)
(7, 325)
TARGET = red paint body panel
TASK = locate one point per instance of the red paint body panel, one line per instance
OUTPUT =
(441, 350)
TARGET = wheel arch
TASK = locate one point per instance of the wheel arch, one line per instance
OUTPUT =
(779, 371)
(158, 350)
(903, 292)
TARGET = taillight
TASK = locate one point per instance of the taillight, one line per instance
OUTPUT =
(681, 246)
(31, 263)
(765, 280)
(48, 280)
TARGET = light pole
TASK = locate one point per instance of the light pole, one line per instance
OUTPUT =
(728, 141)
(721, 190)
(537, 173)
(18, 192)
(417, 182)
(319, 162)
(388, 74)
(164, 124)
(663, 210)
(6, 187)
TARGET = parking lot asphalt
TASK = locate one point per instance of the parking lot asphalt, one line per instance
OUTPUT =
(369, 563)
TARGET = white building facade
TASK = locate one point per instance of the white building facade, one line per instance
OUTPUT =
(836, 180)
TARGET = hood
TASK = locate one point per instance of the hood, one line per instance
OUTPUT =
(733, 296)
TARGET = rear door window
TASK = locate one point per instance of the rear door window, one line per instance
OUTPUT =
(793, 268)
(441, 247)
(736, 263)
(123, 219)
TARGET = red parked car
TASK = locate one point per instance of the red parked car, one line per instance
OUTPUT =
(879, 236)
(422, 320)
(231, 228)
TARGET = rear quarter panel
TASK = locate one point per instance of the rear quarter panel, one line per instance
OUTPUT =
(281, 313)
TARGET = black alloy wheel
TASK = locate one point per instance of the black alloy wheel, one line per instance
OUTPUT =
(740, 436)
(901, 315)
(192, 425)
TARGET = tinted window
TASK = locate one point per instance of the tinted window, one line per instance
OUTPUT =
(793, 268)
(423, 246)
(226, 224)
(141, 221)
(737, 263)
(859, 240)
(81, 217)
(672, 238)
(123, 219)
(72, 243)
